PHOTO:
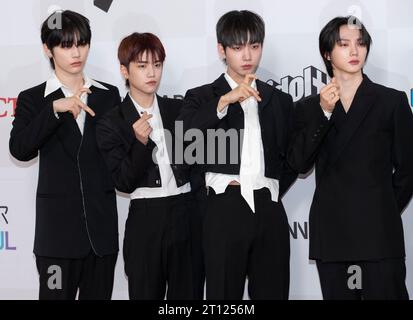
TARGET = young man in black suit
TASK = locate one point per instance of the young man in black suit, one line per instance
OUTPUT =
(76, 237)
(359, 135)
(137, 141)
(245, 232)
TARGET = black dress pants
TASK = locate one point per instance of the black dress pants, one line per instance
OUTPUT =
(369, 280)
(196, 220)
(157, 249)
(62, 279)
(240, 244)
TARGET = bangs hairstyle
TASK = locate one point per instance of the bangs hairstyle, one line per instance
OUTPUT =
(330, 36)
(240, 28)
(134, 46)
(75, 30)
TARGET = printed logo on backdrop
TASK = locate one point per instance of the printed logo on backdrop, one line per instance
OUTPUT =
(309, 83)
(103, 4)
(7, 107)
(299, 230)
(5, 235)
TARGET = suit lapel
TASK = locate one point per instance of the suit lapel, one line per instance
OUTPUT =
(362, 104)
(167, 119)
(94, 101)
(130, 114)
(222, 87)
(68, 133)
(265, 93)
(129, 111)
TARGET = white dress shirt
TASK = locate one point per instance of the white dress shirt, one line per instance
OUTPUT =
(252, 156)
(327, 114)
(54, 84)
(169, 187)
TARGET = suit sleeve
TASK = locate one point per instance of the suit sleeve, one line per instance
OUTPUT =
(289, 175)
(126, 163)
(31, 129)
(310, 126)
(403, 153)
(197, 113)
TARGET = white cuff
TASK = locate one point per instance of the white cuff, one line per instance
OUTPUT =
(223, 113)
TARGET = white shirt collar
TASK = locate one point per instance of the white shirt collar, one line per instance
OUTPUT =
(234, 85)
(150, 110)
(54, 84)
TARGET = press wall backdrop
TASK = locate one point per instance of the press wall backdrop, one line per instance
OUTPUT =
(291, 62)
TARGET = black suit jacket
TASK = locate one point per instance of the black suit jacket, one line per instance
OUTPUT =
(364, 173)
(129, 161)
(275, 115)
(76, 200)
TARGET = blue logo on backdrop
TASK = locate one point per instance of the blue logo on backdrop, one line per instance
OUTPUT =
(5, 242)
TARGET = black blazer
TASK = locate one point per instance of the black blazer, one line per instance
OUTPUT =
(130, 162)
(76, 200)
(275, 115)
(355, 214)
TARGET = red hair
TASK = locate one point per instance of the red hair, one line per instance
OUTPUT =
(132, 48)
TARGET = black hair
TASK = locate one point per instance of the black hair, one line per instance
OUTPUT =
(65, 28)
(240, 27)
(330, 35)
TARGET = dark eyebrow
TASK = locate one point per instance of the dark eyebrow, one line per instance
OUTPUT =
(358, 39)
(141, 61)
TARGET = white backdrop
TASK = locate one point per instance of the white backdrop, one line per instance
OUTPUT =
(187, 29)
